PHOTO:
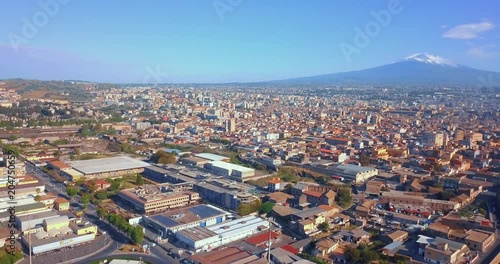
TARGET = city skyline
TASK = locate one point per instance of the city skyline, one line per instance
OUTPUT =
(236, 41)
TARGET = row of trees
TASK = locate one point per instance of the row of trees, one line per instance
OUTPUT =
(88, 130)
(136, 233)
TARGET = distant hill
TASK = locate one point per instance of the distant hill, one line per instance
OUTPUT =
(64, 90)
(419, 68)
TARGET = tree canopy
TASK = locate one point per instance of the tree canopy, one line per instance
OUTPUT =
(344, 197)
(162, 157)
(139, 180)
(248, 208)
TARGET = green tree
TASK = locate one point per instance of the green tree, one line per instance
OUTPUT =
(168, 159)
(85, 199)
(12, 138)
(139, 180)
(101, 195)
(266, 207)
(92, 186)
(248, 208)
(15, 149)
(38, 198)
(344, 197)
(101, 212)
(325, 227)
(71, 192)
(115, 186)
(352, 255)
(137, 235)
(158, 155)
(446, 195)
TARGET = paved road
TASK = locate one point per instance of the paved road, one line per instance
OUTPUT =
(68, 254)
(145, 257)
(50, 184)
(161, 255)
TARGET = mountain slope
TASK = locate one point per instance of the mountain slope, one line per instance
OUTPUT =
(415, 69)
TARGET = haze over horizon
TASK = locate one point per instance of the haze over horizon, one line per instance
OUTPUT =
(236, 41)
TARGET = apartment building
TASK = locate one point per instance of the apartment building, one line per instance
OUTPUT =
(224, 193)
(151, 199)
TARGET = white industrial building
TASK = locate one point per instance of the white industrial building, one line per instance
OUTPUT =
(232, 171)
(169, 222)
(41, 245)
(212, 157)
(201, 238)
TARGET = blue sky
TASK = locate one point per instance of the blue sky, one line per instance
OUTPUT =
(235, 40)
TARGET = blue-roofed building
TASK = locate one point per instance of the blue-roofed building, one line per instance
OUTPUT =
(171, 222)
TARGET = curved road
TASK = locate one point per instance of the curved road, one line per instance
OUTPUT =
(145, 257)
(159, 255)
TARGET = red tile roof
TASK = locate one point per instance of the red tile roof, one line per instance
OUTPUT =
(59, 164)
(261, 238)
(275, 181)
(290, 249)
(312, 193)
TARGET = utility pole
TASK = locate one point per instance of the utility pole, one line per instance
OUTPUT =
(29, 235)
(269, 242)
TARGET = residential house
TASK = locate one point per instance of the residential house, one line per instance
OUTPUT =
(325, 246)
(61, 204)
(373, 188)
(442, 250)
(479, 240)
(355, 236)
(275, 185)
(100, 184)
(278, 197)
(397, 236)
(314, 194)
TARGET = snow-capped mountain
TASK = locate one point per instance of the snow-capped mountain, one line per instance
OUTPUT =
(420, 68)
(428, 58)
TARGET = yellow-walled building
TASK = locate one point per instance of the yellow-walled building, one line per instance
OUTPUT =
(56, 223)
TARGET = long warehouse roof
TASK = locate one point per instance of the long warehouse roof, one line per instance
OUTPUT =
(107, 164)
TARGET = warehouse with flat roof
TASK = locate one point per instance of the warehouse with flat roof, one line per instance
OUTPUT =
(58, 233)
(200, 238)
(212, 157)
(171, 222)
(113, 167)
(232, 171)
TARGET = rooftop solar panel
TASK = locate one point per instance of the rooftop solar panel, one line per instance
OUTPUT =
(165, 220)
